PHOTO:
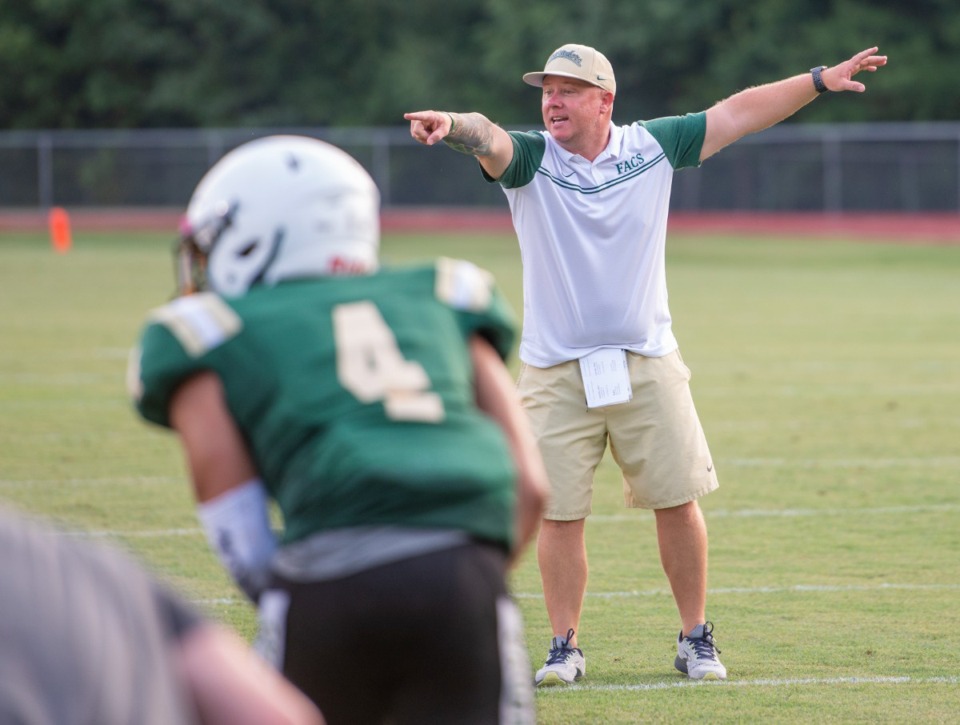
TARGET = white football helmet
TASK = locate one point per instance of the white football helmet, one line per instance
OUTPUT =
(277, 208)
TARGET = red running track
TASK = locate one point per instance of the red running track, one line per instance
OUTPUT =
(939, 228)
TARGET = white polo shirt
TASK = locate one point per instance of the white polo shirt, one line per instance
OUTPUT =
(592, 238)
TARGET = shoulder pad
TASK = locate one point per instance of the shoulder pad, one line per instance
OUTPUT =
(463, 285)
(200, 322)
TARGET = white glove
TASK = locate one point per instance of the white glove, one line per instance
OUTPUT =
(237, 525)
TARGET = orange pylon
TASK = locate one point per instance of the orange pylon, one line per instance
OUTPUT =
(60, 236)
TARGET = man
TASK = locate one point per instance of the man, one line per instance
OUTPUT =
(374, 408)
(89, 637)
(589, 201)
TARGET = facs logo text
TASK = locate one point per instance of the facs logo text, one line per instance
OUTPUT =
(634, 162)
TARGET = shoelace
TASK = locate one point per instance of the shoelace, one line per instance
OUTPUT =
(705, 647)
(559, 654)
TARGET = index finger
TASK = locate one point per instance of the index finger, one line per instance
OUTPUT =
(868, 56)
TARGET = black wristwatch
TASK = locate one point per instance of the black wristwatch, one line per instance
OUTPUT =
(817, 80)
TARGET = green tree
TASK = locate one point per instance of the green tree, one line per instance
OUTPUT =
(209, 63)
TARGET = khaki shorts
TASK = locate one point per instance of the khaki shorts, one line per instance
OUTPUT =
(656, 438)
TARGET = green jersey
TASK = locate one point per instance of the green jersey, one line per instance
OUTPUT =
(354, 394)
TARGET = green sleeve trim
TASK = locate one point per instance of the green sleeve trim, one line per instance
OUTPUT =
(680, 137)
(528, 150)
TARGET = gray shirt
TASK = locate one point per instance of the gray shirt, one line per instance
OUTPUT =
(85, 633)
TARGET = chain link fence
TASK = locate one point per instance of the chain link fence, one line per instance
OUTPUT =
(899, 167)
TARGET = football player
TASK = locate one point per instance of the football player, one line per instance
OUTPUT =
(374, 409)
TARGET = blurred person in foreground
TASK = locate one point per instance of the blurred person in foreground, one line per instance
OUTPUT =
(88, 636)
(600, 363)
(373, 406)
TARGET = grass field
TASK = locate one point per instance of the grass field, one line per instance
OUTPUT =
(827, 376)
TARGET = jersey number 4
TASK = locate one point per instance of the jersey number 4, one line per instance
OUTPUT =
(371, 366)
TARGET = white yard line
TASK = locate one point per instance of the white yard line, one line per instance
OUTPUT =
(110, 481)
(791, 513)
(595, 518)
(145, 534)
(908, 462)
(793, 682)
(794, 588)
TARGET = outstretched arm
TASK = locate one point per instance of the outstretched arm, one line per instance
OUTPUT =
(468, 133)
(760, 107)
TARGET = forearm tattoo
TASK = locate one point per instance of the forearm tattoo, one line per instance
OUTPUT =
(472, 135)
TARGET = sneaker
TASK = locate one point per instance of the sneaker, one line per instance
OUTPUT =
(697, 655)
(565, 665)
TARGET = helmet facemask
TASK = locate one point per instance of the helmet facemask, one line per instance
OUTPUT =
(193, 247)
